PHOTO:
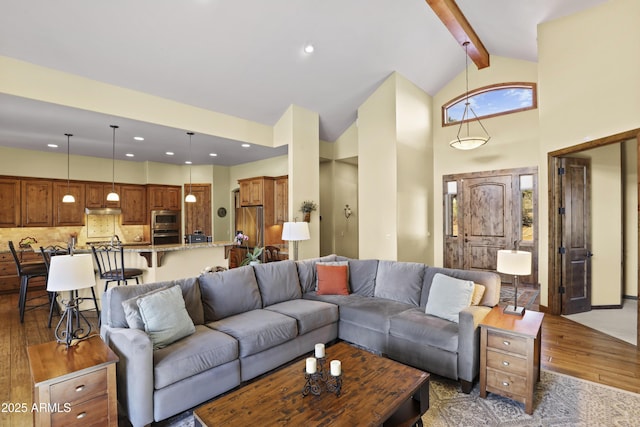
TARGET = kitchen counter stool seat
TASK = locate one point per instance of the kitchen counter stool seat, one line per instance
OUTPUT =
(110, 261)
(26, 272)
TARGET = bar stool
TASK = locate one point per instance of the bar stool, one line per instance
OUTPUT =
(110, 260)
(26, 272)
(47, 253)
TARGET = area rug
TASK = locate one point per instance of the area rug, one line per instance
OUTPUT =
(559, 400)
(526, 296)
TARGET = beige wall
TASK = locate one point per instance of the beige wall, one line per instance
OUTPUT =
(587, 71)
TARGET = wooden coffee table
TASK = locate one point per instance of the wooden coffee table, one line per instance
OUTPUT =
(375, 391)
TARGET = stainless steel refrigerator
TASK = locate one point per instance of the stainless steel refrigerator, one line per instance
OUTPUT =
(250, 222)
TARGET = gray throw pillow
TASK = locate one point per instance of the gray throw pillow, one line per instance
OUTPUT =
(448, 297)
(165, 317)
(132, 312)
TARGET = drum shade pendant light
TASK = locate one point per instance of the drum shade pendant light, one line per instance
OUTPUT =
(468, 142)
(190, 197)
(68, 198)
(113, 196)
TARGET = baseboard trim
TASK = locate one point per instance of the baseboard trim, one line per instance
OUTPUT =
(606, 307)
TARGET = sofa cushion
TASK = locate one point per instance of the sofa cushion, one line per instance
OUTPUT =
(399, 281)
(417, 327)
(277, 281)
(362, 276)
(113, 312)
(229, 292)
(307, 271)
(310, 315)
(199, 352)
(257, 330)
(448, 297)
(332, 279)
(165, 317)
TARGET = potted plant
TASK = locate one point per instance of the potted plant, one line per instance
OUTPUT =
(306, 208)
(253, 258)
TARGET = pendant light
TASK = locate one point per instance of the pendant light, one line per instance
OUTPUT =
(468, 142)
(68, 198)
(113, 196)
(190, 197)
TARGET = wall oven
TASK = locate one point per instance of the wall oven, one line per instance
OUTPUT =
(165, 227)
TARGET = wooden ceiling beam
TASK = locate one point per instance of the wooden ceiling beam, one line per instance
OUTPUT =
(457, 24)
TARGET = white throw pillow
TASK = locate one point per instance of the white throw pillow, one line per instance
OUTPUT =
(165, 317)
(448, 296)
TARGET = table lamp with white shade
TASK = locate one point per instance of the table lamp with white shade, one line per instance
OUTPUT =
(70, 273)
(517, 263)
(294, 232)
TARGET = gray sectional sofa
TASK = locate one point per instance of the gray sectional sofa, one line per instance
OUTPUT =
(241, 323)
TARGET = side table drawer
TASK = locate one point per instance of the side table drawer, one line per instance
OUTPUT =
(506, 362)
(509, 383)
(506, 342)
(80, 389)
(94, 412)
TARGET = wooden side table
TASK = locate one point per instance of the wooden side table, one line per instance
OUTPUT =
(75, 386)
(510, 355)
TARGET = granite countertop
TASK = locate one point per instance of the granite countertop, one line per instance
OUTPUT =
(134, 247)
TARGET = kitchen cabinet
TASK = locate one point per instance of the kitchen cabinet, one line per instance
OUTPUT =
(96, 195)
(37, 203)
(256, 191)
(281, 201)
(68, 214)
(9, 202)
(133, 199)
(164, 197)
(8, 274)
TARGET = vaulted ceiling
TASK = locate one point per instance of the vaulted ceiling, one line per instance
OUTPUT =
(244, 58)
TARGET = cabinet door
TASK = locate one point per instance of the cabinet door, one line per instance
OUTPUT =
(66, 214)
(134, 204)
(281, 200)
(9, 202)
(251, 191)
(155, 197)
(163, 197)
(37, 203)
(173, 198)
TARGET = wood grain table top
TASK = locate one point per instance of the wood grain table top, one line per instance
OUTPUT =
(373, 389)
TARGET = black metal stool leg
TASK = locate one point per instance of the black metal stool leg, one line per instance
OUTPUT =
(24, 282)
(53, 296)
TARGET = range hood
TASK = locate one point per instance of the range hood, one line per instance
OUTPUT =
(103, 211)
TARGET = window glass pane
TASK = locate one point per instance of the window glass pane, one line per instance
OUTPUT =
(451, 209)
(491, 102)
(527, 215)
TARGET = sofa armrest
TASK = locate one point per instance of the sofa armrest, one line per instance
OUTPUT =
(134, 373)
(469, 341)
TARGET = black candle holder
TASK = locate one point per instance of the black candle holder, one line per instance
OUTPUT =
(315, 381)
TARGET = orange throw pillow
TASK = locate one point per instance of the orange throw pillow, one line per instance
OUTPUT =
(332, 280)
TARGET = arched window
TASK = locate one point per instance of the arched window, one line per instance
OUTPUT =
(491, 101)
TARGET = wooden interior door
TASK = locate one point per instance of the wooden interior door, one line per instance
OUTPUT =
(487, 220)
(575, 283)
(197, 215)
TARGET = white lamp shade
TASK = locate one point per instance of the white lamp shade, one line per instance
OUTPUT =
(113, 197)
(293, 231)
(70, 272)
(517, 263)
(68, 198)
(190, 198)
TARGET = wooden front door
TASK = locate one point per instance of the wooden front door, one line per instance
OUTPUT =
(198, 215)
(575, 251)
(487, 220)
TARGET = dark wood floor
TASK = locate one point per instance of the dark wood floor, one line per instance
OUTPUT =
(567, 347)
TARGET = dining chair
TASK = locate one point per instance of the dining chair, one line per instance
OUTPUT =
(271, 253)
(26, 272)
(110, 261)
(47, 253)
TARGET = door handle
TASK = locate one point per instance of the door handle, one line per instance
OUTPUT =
(589, 254)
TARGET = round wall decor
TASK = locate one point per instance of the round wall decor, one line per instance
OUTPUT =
(222, 212)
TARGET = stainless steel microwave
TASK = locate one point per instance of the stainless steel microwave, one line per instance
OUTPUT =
(165, 220)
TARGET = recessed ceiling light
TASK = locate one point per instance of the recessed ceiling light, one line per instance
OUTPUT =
(246, 145)
(169, 153)
(52, 145)
(129, 155)
(213, 154)
(188, 162)
(138, 138)
(308, 48)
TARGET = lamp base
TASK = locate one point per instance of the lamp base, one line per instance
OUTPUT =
(517, 311)
(66, 331)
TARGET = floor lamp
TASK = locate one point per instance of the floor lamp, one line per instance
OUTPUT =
(70, 273)
(517, 263)
(294, 232)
